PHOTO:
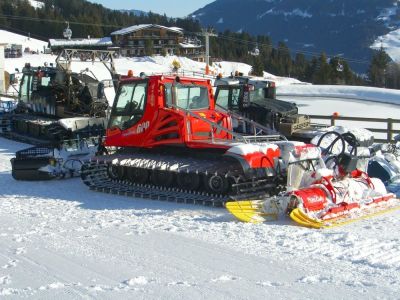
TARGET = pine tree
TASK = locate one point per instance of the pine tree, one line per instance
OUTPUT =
(323, 73)
(377, 69)
(300, 66)
(258, 66)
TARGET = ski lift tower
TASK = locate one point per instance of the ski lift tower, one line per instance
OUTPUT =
(207, 34)
(2, 69)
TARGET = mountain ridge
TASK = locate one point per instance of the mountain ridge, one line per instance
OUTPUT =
(337, 27)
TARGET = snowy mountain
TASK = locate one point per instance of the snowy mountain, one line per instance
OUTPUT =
(60, 240)
(338, 27)
(390, 42)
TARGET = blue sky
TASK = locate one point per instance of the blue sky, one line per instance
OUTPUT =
(172, 8)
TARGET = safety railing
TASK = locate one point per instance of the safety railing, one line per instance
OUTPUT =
(386, 132)
(255, 132)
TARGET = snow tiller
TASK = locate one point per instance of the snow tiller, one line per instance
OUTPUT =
(45, 162)
(166, 140)
(318, 196)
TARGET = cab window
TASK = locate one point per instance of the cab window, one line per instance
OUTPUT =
(191, 97)
(257, 94)
(129, 105)
(235, 97)
(25, 88)
(222, 98)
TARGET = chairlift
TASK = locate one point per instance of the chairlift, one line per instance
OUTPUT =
(339, 67)
(67, 33)
(256, 51)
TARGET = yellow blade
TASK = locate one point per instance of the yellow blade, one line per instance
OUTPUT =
(250, 211)
(348, 220)
(301, 218)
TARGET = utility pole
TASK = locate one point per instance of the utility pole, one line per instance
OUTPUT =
(207, 33)
(3, 84)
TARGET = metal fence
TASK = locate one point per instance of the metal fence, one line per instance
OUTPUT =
(388, 128)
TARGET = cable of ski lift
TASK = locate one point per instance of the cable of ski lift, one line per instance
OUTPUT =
(220, 36)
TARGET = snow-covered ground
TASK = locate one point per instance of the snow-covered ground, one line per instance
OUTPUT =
(341, 91)
(59, 240)
(7, 37)
(347, 101)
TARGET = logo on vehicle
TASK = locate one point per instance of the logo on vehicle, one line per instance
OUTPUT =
(142, 127)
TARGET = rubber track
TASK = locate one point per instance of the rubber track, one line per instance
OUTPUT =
(94, 174)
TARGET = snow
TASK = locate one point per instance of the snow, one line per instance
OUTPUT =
(189, 45)
(59, 240)
(295, 12)
(143, 26)
(387, 14)
(390, 43)
(245, 149)
(36, 4)
(106, 41)
(348, 92)
(13, 38)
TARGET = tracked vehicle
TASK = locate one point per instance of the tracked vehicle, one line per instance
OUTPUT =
(256, 99)
(61, 112)
(166, 140)
(48, 94)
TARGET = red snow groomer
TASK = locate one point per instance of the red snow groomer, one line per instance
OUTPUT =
(166, 140)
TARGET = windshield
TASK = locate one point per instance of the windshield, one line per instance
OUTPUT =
(228, 97)
(190, 97)
(129, 105)
(257, 94)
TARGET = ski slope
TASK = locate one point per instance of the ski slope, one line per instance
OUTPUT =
(58, 240)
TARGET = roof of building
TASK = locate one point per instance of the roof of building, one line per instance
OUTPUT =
(105, 41)
(143, 26)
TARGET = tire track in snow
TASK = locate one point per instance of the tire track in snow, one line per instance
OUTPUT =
(347, 247)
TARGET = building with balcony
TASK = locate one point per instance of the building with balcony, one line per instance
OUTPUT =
(149, 39)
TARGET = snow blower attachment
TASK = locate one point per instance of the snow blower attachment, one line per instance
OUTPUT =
(172, 144)
(77, 140)
(48, 161)
(319, 197)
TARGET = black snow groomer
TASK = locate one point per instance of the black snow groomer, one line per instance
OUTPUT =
(47, 95)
